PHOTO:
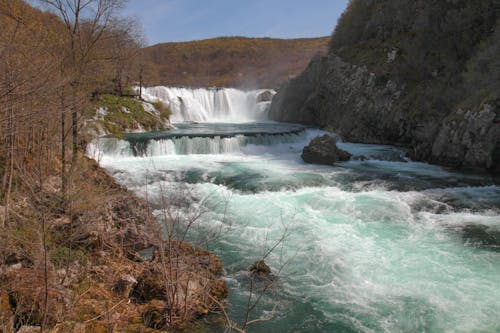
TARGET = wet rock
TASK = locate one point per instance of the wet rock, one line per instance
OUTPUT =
(324, 150)
(260, 269)
(265, 96)
(482, 237)
(360, 158)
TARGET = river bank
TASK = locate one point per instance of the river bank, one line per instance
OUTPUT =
(97, 278)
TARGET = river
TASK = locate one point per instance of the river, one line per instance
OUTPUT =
(379, 243)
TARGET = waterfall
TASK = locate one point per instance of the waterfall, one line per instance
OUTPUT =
(224, 105)
(186, 145)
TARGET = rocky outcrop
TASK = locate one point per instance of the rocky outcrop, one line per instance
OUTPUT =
(345, 98)
(324, 150)
(117, 115)
(389, 78)
(365, 107)
(289, 104)
(467, 137)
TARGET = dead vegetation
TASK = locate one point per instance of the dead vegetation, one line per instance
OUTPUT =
(70, 237)
(84, 272)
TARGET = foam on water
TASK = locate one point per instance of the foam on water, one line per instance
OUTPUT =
(377, 245)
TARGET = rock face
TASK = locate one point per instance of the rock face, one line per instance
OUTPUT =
(347, 98)
(324, 150)
(381, 83)
(265, 96)
(362, 107)
(469, 136)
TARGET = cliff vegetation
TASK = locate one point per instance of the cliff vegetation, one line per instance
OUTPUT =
(421, 74)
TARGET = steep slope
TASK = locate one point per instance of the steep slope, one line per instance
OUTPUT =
(422, 74)
(231, 61)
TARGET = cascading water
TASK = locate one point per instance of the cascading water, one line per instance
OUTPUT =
(375, 244)
(205, 139)
(226, 105)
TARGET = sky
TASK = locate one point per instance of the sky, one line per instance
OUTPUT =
(184, 20)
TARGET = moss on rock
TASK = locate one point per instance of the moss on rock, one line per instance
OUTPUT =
(117, 115)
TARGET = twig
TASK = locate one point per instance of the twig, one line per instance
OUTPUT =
(107, 312)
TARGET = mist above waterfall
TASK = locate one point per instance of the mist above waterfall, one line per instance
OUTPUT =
(226, 105)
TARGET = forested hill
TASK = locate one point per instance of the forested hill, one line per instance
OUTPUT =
(231, 61)
(423, 74)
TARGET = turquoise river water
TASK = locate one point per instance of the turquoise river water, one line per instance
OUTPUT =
(375, 244)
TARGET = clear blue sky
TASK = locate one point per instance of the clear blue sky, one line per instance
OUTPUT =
(183, 20)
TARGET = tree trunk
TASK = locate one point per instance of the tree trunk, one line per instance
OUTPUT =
(63, 150)
(11, 140)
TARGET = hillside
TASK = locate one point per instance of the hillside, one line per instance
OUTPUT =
(420, 74)
(231, 61)
(70, 236)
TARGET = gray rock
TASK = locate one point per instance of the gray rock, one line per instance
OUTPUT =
(265, 96)
(469, 138)
(348, 99)
(324, 150)
(367, 108)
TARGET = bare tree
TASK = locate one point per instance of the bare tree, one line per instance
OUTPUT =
(85, 23)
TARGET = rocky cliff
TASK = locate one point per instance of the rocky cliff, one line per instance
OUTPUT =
(421, 74)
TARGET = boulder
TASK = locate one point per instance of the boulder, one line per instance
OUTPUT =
(260, 269)
(265, 96)
(324, 150)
